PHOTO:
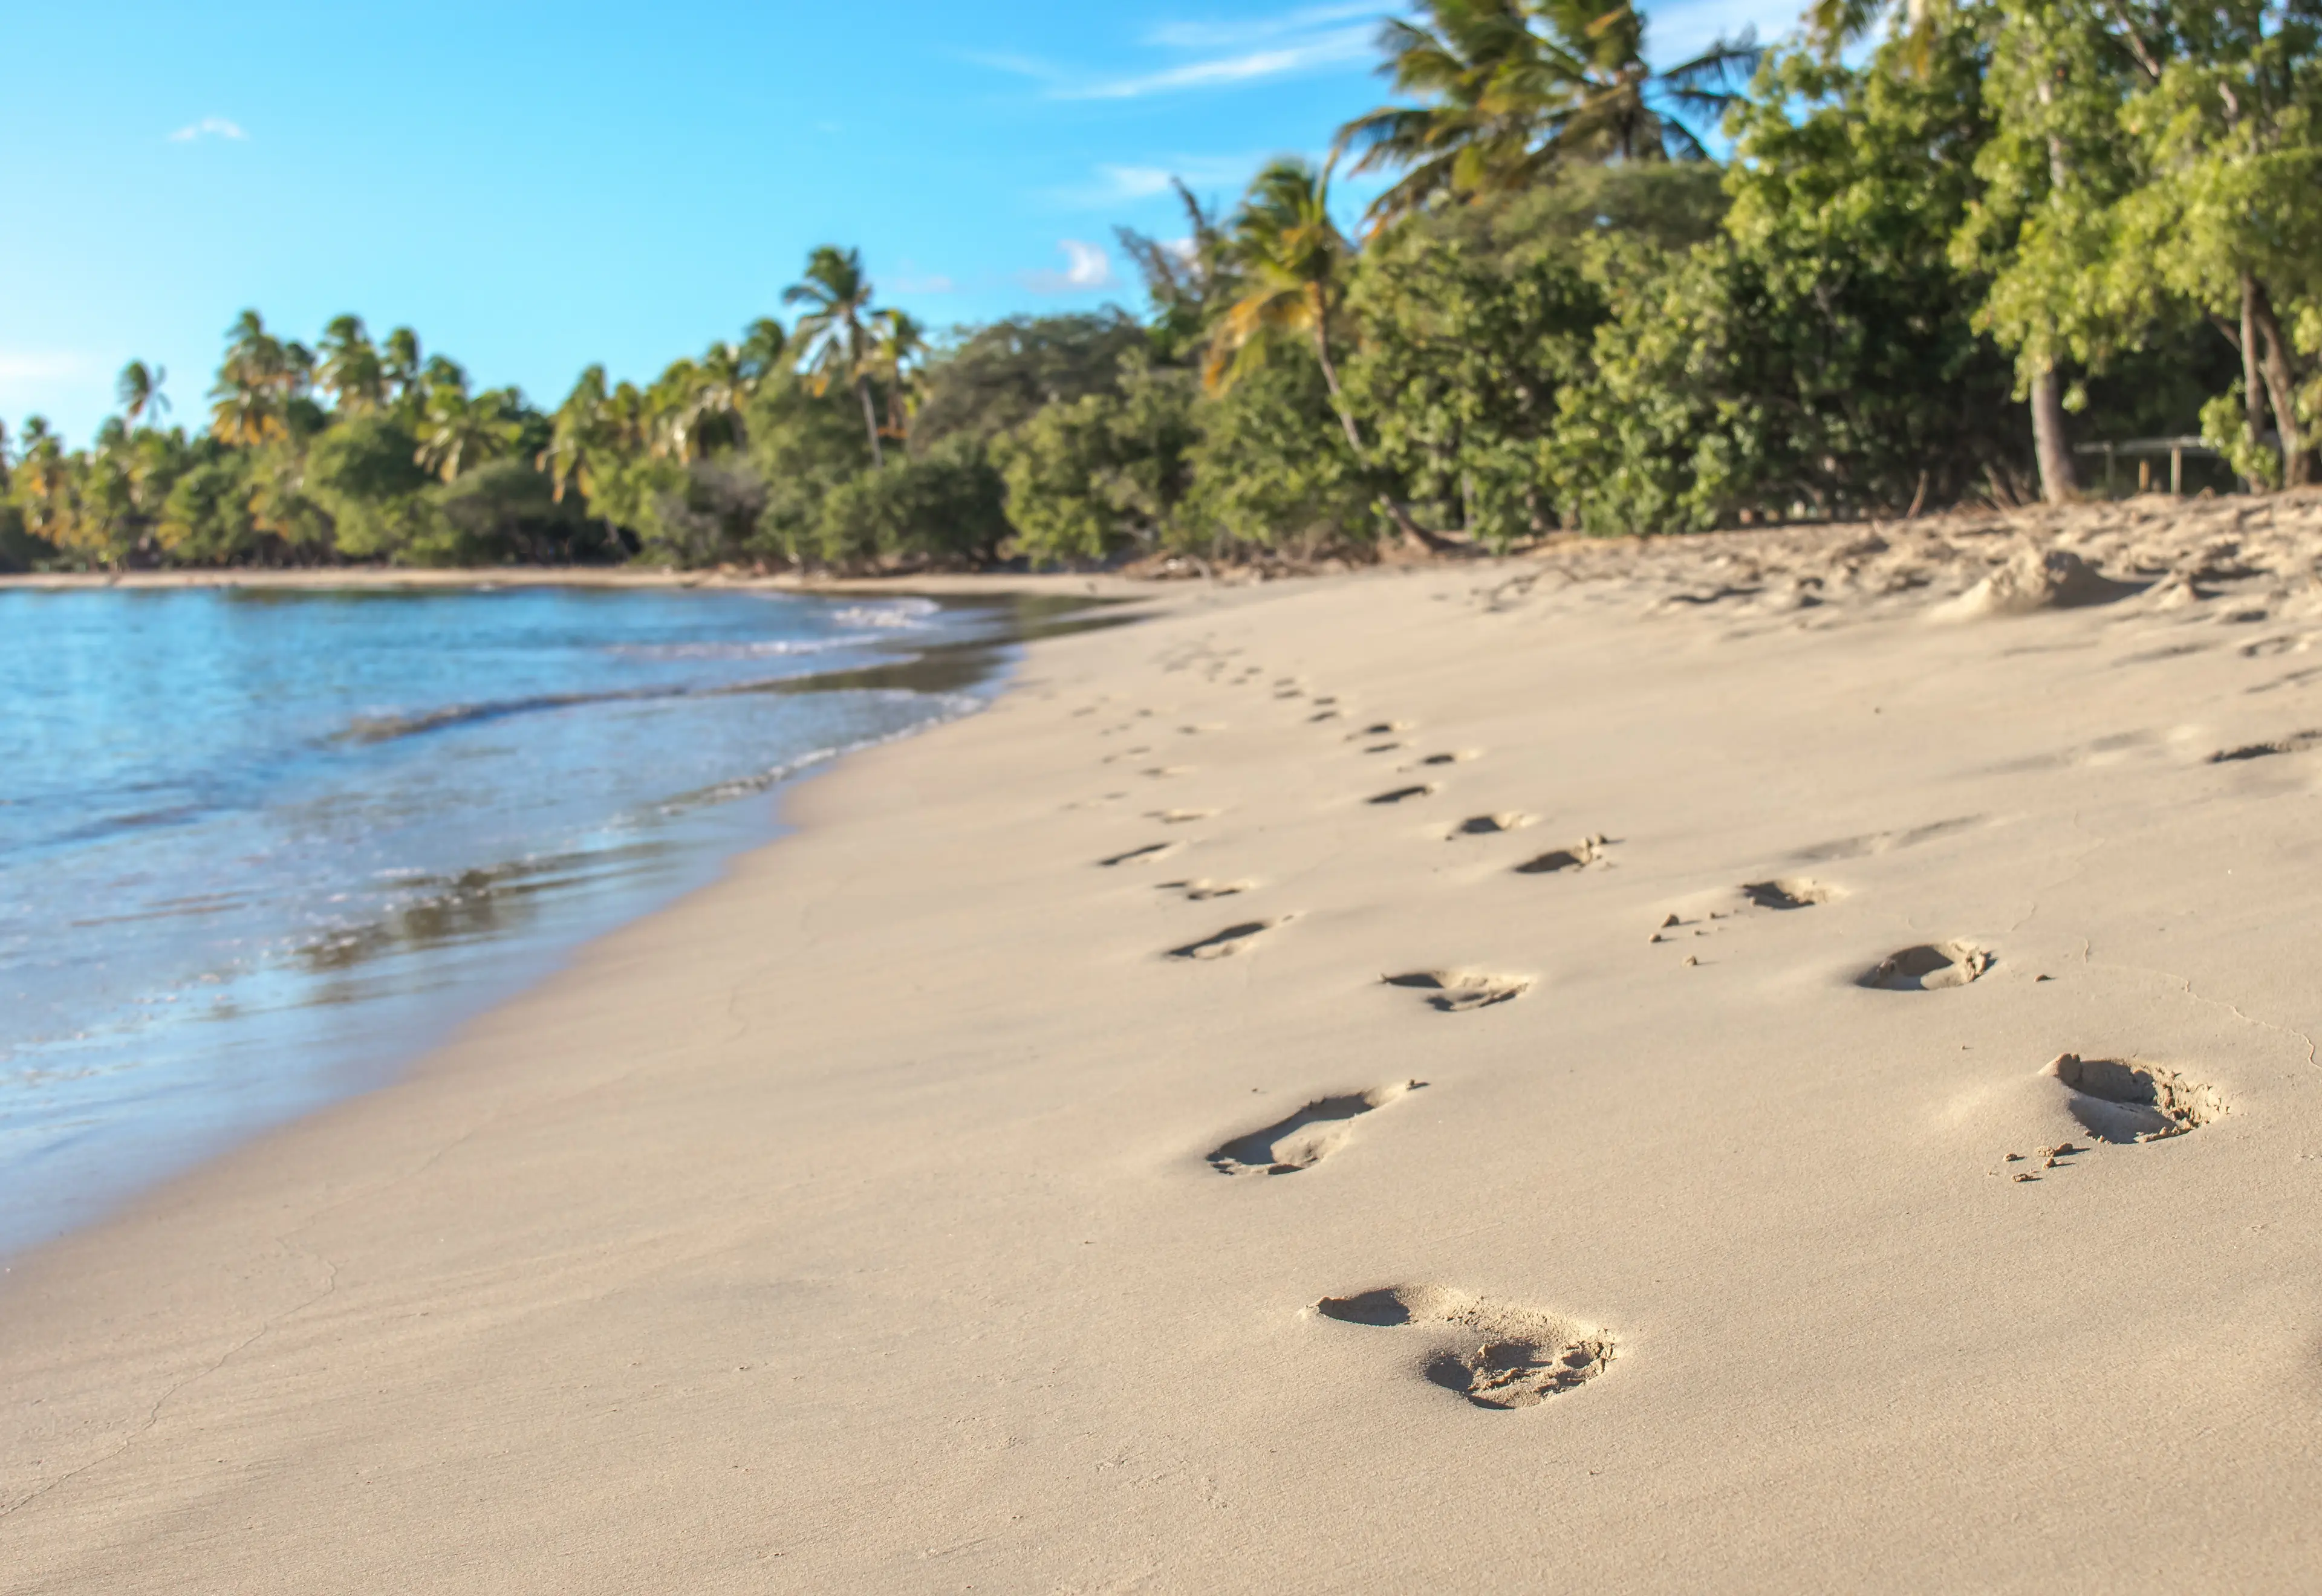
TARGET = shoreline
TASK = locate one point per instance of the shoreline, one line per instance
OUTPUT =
(895, 1212)
(111, 1153)
(932, 584)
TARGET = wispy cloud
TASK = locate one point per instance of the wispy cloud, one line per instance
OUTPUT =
(1245, 51)
(25, 365)
(908, 281)
(208, 127)
(1087, 268)
(1125, 184)
(1333, 48)
(1242, 32)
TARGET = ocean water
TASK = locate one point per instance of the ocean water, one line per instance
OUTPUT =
(259, 847)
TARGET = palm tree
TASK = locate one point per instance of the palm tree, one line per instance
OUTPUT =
(898, 342)
(833, 341)
(1183, 280)
(457, 433)
(1291, 258)
(763, 346)
(349, 369)
(1513, 88)
(579, 437)
(256, 381)
(400, 366)
(43, 484)
(139, 388)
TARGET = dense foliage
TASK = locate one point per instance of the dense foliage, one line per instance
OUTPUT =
(1945, 248)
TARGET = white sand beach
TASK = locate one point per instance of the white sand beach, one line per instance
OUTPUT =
(1525, 1075)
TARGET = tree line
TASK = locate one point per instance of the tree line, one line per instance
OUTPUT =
(1951, 240)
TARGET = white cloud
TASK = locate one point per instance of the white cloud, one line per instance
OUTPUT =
(208, 127)
(1087, 268)
(910, 282)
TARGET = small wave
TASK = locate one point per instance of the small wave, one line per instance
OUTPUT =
(888, 613)
(770, 648)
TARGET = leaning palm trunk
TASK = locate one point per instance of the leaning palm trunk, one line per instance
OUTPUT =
(869, 421)
(1396, 510)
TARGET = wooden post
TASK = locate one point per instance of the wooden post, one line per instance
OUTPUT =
(2176, 473)
(2144, 473)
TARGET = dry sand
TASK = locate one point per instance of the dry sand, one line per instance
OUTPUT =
(1022, 1180)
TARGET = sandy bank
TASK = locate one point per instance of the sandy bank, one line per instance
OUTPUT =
(1492, 1077)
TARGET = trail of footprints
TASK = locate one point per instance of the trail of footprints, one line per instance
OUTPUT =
(1504, 1356)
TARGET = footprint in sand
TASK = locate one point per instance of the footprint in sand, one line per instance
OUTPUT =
(1180, 816)
(1930, 967)
(2296, 742)
(1494, 1353)
(2126, 1100)
(1790, 892)
(1226, 944)
(1402, 794)
(1307, 1137)
(1488, 825)
(1588, 850)
(1145, 855)
(1457, 991)
(1203, 890)
(1459, 758)
(1885, 842)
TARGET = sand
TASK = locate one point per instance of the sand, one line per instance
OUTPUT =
(1765, 1063)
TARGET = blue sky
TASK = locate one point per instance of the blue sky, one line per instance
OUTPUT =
(534, 186)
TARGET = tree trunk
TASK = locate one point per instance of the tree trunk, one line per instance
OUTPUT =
(1330, 381)
(871, 422)
(2057, 481)
(2253, 383)
(1396, 510)
(2280, 385)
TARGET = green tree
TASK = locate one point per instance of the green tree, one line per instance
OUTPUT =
(1468, 340)
(2227, 124)
(1090, 476)
(1821, 353)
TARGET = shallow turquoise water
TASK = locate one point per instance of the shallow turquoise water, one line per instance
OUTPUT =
(257, 847)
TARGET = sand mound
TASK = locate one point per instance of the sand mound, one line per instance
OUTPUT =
(2035, 580)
